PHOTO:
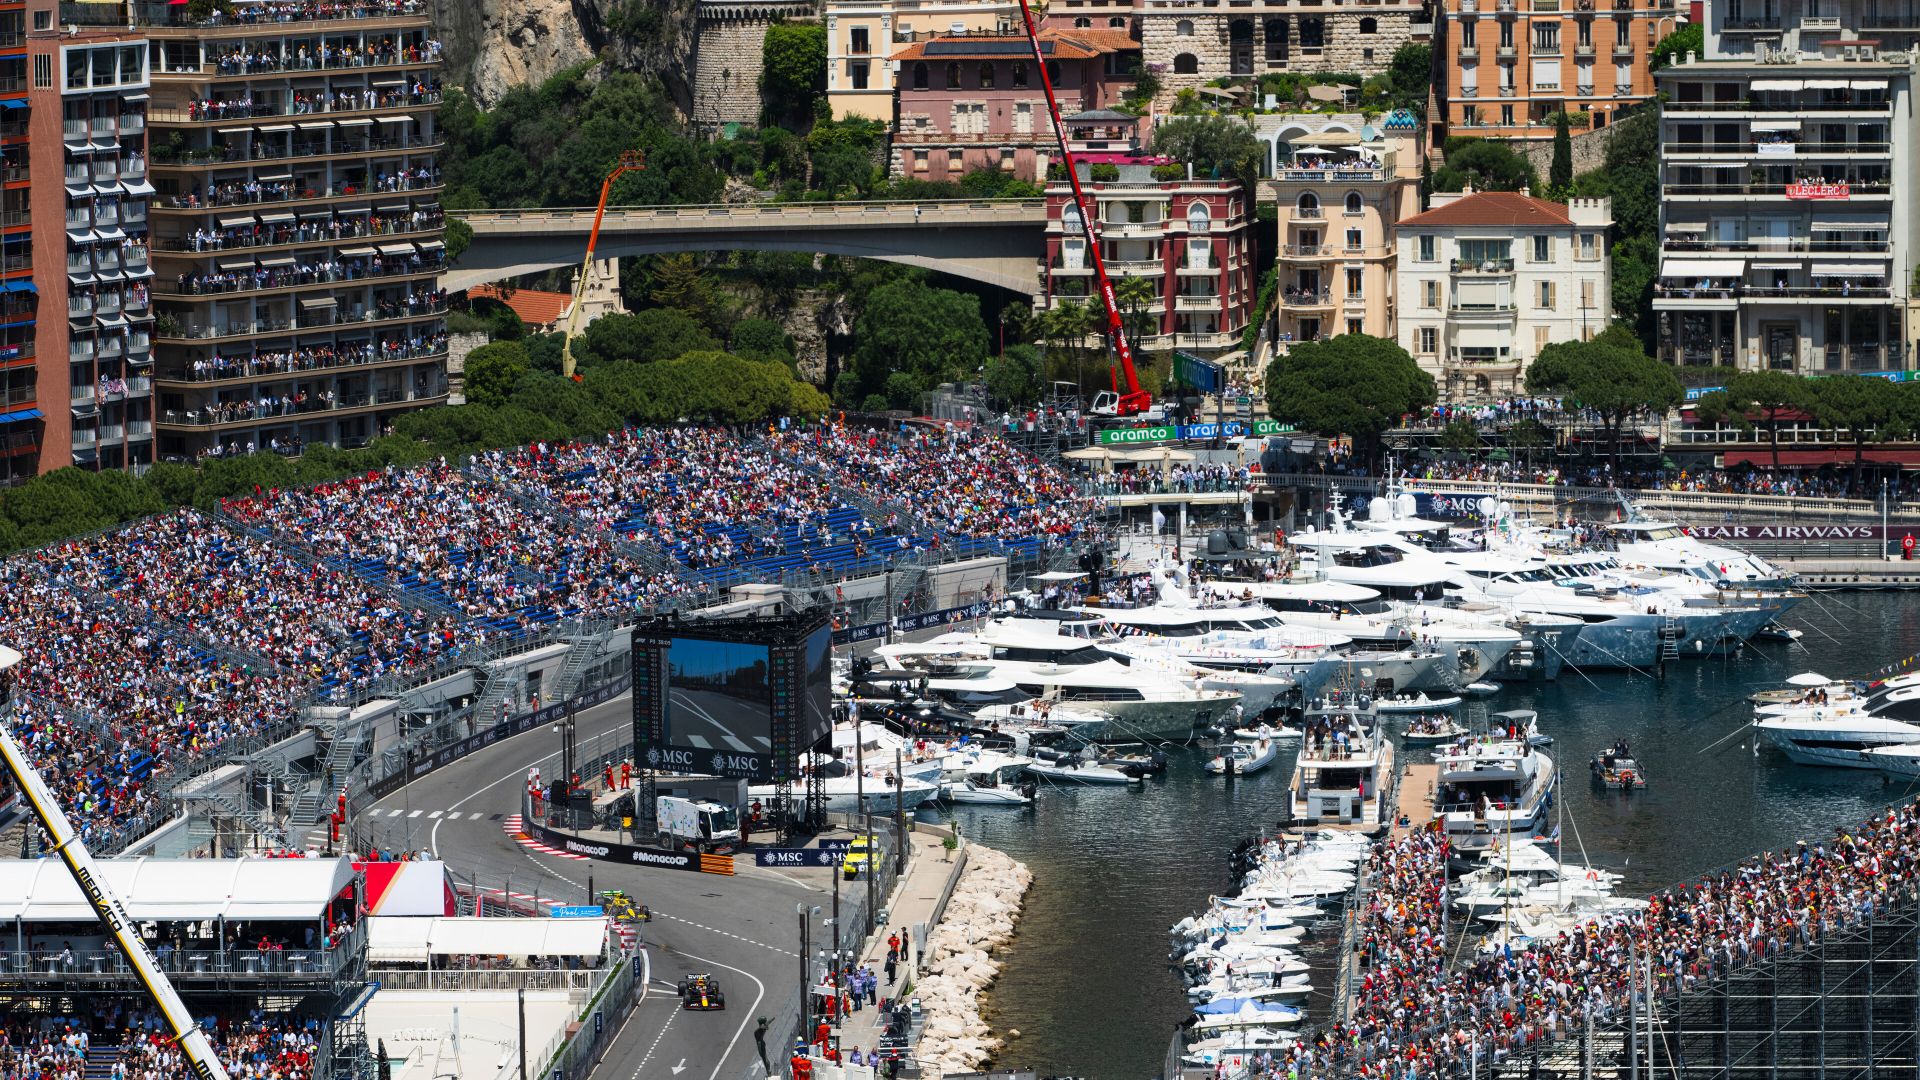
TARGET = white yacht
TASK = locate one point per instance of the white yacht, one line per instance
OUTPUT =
(1344, 772)
(1490, 791)
(1832, 735)
(849, 794)
(1243, 757)
(1382, 653)
(982, 777)
(1142, 702)
(1668, 546)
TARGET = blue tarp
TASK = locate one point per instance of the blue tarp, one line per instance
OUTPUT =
(16, 417)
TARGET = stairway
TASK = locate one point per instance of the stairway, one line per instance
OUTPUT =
(100, 1061)
(583, 651)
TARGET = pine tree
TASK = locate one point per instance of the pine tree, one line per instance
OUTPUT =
(1560, 175)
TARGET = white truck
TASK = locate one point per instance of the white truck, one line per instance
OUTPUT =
(703, 825)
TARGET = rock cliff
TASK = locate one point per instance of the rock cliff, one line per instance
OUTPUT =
(495, 45)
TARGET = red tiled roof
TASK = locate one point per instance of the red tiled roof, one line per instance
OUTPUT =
(996, 47)
(536, 307)
(1493, 208)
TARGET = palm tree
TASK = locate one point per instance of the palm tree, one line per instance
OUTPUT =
(1057, 328)
(1134, 296)
(1081, 320)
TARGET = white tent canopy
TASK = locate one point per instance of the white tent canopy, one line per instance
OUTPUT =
(173, 890)
(402, 939)
(1809, 678)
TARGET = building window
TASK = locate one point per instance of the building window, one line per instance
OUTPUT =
(1427, 249)
(1541, 339)
(1198, 217)
(1053, 74)
(858, 71)
(986, 76)
(1019, 75)
(1429, 341)
(1354, 203)
(1546, 294)
(1183, 28)
(1589, 248)
(1356, 282)
(1353, 326)
(1186, 64)
(1622, 33)
(1546, 37)
(1429, 294)
(1118, 22)
(1586, 294)
(43, 71)
(1506, 116)
(1312, 33)
(859, 46)
(953, 76)
(1369, 26)
(1309, 205)
(43, 20)
(920, 160)
(920, 76)
(1083, 23)
(1543, 249)
(1006, 159)
(1353, 240)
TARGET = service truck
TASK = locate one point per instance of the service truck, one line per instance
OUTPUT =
(696, 823)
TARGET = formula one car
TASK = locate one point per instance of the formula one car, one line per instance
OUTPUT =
(701, 992)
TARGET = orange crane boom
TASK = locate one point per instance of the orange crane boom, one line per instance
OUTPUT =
(1133, 400)
(630, 161)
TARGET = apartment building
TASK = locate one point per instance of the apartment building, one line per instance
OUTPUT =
(864, 35)
(1187, 236)
(975, 101)
(1787, 170)
(1486, 280)
(297, 234)
(1503, 68)
(1340, 188)
(86, 114)
(22, 412)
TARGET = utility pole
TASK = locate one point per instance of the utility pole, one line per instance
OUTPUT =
(521, 995)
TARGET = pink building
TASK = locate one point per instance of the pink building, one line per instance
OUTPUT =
(973, 101)
(1188, 237)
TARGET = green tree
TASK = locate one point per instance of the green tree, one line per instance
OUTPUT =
(793, 79)
(913, 327)
(459, 236)
(1560, 173)
(646, 337)
(1410, 76)
(680, 282)
(493, 370)
(1460, 435)
(1630, 176)
(1868, 409)
(1220, 146)
(761, 339)
(1527, 436)
(1354, 384)
(1488, 164)
(1135, 296)
(1674, 48)
(1013, 378)
(1749, 396)
(1612, 375)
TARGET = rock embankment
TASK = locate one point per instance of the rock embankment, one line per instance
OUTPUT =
(960, 966)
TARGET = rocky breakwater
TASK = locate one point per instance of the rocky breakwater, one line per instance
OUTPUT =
(959, 965)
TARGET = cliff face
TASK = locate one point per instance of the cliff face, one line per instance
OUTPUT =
(495, 45)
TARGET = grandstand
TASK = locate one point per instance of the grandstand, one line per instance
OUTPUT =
(286, 627)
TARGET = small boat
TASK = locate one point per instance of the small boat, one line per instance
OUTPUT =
(1243, 758)
(1616, 768)
(1073, 771)
(1522, 724)
(1773, 631)
(1266, 731)
(1432, 733)
(1481, 689)
(1415, 703)
(977, 793)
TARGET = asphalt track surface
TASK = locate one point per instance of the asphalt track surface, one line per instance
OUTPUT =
(708, 720)
(741, 929)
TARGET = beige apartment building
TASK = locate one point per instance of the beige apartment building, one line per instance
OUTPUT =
(863, 36)
(1339, 199)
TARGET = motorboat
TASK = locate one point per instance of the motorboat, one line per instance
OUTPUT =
(1243, 758)
(1519, 724)
(1389, 649)
(1491, 790)
(1480, 689)
(1827, 735)
(1283, 988)
(1773, 631)
(1432, 730)
(1670, 546)
(1416, 703)
(1344, 772)
(1073, 770)
(1232, 1051)
(978, 777)
(1245, 1012)
(1616, 769)
(849, 794)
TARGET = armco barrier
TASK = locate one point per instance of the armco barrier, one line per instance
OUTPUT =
(514, 725)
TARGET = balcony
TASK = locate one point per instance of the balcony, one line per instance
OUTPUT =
(278, 18)
(139, 385)
(1800, 192)
(1500, 308)
(1469, 52)
(1306, 299)
(232, 414)
(252, 371)
(1584, 50)
(1483, 267)
(82, 438)
(1622, 50)
(1685, 242)
(137, 429)
(1308, 213)
(281, 327)
(1506, 52)
(213, 158)
(1196, 303)
(1306, 251)
(82, 395)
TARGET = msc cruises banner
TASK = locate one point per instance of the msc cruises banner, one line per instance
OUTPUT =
(907, 624)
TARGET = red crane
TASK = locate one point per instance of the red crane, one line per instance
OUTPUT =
(1133, 400)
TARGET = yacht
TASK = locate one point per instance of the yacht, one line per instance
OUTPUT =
(848, 794)
(1243, 758)
(1667, 545)
(1383, 654)
(982, 777)
(1344, 772)
(1141, 701)
(1831, 735)
(1491, 791)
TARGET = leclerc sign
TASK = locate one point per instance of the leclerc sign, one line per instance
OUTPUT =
(1169, 432)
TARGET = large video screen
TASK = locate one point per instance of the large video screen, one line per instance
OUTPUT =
(816, 694)
(718, 694)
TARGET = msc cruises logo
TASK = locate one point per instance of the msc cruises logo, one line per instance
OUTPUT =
(724, 764)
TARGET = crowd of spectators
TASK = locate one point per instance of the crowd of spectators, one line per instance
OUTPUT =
(1183, 478)
(307, 272)
(259, 1046)
(269, 56)
(1755, 481)
(50, 1048)
(1416, 1015)
(312, 358)
(335, 226)
(286, 11)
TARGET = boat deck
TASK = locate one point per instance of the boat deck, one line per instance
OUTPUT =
(1416, 797)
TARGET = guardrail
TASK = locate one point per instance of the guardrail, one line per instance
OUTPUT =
(1712, 503)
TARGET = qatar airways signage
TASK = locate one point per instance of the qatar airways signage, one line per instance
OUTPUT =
(1737, 533)
(1809, 190)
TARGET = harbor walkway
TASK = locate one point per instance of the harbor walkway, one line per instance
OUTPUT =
(914, 909)
(1416, 798)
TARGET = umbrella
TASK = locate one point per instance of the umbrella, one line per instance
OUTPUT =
(1171, 454)
(1499, 453)
(1809, 678)
(1325, 93)
(1089, 453)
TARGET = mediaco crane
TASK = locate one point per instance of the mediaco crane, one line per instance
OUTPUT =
(201, 1059)
(1133, 400)
(630, 161)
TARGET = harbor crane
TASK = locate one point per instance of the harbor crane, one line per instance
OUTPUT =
(201, 1059)
(630, 161)
(1132, 400)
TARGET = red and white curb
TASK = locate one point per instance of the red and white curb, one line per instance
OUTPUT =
(516, 832)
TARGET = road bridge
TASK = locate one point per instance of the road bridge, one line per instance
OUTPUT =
(994, 241)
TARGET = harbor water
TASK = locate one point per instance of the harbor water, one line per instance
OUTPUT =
(1086, 981)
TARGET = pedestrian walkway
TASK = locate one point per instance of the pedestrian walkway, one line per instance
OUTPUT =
(915, 897)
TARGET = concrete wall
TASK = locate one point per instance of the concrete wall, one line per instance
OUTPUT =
(1344, 48)
(1589, 151)
(729, 46)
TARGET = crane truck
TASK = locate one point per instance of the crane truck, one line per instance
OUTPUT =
(1130, 401)
(202, 1061)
